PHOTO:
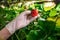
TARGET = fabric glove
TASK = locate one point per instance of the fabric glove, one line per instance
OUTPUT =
(20, 21)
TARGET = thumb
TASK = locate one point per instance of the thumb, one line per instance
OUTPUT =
(33, 18)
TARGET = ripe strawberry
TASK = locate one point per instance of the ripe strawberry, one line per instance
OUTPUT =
(34, 13)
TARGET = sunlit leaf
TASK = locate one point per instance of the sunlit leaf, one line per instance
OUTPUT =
(58, 7)
(48, 6)
(51, 19)
(58, 23)
(53, 12)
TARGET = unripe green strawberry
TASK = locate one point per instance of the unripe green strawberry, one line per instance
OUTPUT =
(34, 12)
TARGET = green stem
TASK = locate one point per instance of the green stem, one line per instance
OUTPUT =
(17, 36)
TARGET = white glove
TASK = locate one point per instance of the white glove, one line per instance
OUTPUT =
(21, 21)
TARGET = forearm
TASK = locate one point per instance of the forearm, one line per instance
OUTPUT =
(4, 34)
(9, 29)
(19, 22)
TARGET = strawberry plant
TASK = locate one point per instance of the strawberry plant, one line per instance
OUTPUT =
(39, 29)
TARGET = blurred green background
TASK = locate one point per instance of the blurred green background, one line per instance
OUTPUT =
(40, 29)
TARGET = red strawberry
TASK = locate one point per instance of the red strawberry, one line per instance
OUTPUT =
(34, 12)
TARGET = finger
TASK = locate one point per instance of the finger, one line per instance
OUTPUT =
(27, 12)
(33, 18)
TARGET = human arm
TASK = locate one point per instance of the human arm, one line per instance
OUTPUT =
(19, 22)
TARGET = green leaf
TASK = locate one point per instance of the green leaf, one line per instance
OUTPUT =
(58, 7)
(32, 35)
(53, 12)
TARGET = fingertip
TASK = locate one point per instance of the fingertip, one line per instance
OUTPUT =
(37, 16)
(28, 11)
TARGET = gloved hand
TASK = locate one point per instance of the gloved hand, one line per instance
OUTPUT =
(21, 21)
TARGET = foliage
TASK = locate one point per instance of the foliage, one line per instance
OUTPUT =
(36, 30)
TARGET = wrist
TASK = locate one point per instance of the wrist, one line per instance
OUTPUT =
(4, 34)
(11, 27)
